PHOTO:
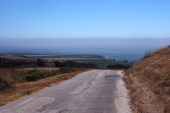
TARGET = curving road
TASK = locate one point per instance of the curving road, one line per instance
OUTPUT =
(89, 92)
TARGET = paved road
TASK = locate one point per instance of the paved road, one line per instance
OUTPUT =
(89, 92)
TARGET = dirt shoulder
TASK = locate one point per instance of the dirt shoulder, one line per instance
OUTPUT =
(122, 100)
(142, 99)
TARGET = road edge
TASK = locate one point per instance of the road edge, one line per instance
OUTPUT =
(122, 99)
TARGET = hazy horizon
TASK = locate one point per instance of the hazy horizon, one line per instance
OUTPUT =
(119, 48)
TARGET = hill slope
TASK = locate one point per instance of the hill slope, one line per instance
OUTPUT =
(148, 81)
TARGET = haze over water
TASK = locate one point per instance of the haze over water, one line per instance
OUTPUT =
(118, 48)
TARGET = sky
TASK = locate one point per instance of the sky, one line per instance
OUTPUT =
(84, 18)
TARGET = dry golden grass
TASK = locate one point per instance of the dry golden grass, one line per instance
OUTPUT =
(21, 89)
(149, 83)
(14, 75)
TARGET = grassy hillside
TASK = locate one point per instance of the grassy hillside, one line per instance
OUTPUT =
(148, 81)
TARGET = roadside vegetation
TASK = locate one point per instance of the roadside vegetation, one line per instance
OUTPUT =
(18, 82)
(4, 84)
(148, 82)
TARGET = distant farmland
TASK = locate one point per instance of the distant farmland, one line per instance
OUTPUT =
(96, 59)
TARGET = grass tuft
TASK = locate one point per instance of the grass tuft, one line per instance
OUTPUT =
(27, 92)
(147, 55)
(3, 84)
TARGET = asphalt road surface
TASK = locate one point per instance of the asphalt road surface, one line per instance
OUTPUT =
(88, 92)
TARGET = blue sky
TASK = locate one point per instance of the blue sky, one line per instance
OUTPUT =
(84, 18)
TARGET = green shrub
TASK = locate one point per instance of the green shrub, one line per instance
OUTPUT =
(3, 84)
(66, 69)
(27, 92)
(33, 75)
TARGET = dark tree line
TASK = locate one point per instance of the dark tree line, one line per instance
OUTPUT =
(10, 63)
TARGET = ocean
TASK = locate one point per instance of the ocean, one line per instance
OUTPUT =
(119, 48)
